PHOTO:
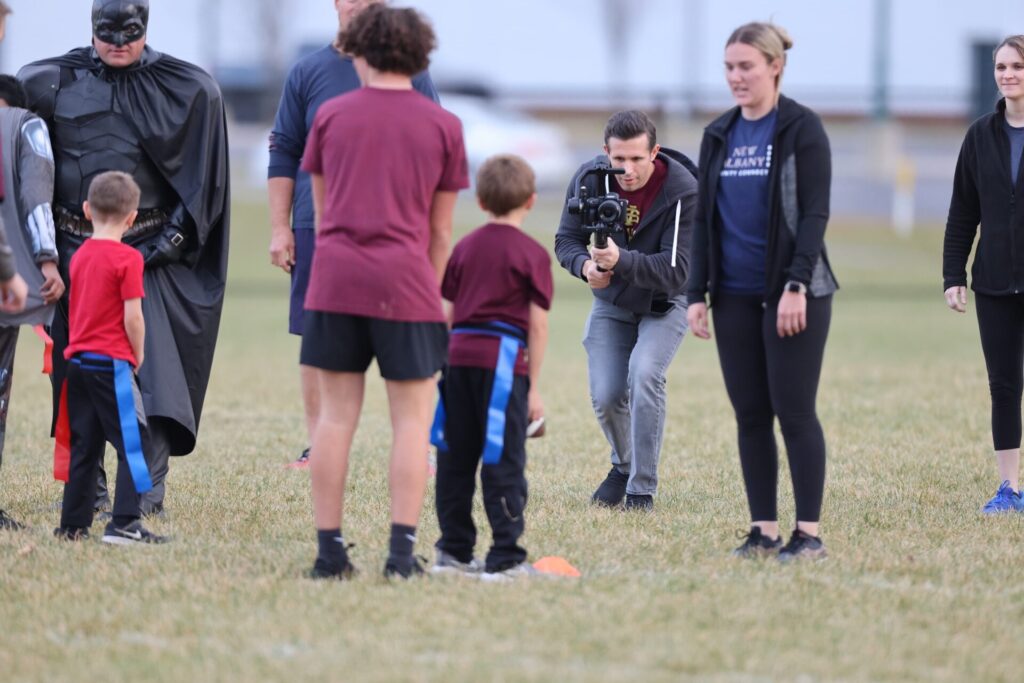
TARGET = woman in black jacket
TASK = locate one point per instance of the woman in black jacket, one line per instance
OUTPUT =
(985, 187)
(758, 253)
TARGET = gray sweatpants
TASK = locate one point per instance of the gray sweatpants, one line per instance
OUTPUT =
(628, 356)
(157, 457)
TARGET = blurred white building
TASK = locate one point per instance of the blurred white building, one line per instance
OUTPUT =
(921, 57)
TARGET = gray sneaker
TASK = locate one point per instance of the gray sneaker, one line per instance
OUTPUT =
(446, 565)
(523, 570)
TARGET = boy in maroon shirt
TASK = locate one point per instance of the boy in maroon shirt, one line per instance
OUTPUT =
(386, 165)
(105, 345)
(499, 282)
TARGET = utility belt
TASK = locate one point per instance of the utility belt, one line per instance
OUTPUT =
(149, 222)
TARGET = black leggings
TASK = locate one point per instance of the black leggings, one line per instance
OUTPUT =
(768, 376)
(1001, 322)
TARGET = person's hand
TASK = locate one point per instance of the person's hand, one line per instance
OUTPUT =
(53, 286)
(13, 294)
(792, 316)
(596, 278)
(608, 257)
(168, 248)
(534, 405)
(697, 319)
(956, 298)
(282, 248)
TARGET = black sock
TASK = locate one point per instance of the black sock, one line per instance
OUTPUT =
(402, 539)
(332, 547)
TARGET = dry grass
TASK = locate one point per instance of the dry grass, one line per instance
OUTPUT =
(918, 587)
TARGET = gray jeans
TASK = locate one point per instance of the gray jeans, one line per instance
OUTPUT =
(627, 358)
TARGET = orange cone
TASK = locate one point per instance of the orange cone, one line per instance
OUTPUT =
(556, 566)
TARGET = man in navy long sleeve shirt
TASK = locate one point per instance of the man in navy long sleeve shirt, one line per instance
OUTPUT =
(315, 79)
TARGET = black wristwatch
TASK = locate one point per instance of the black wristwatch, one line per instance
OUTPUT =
(796, 287)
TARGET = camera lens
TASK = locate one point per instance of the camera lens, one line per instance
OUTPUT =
(609, 211)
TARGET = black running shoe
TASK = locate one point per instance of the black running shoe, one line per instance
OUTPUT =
(396, 568)
(322, 569)
(71, 533)
(7, 523)
(757, 545)
(612, 490)
(640, 502)
(802, 546)
(131, 534)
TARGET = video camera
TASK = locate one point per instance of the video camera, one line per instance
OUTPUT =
(602, 214)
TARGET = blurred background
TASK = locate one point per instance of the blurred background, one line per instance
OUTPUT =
(897, 80)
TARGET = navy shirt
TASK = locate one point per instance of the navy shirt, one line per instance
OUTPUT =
(316, 78)
(1016, 149)
(742, 204)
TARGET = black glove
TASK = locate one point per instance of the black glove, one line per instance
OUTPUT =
(168, 248)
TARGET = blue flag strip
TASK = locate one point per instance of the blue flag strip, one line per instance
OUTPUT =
(504, 376)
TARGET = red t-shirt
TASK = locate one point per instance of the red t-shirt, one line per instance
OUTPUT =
(105, 275)
(640, 200)
(494, 274)
(382, 154)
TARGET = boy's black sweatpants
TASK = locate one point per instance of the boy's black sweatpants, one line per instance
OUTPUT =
(94, 421)
(467, 395)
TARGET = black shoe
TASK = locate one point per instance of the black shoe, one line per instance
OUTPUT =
(612, 490)
(757, 545)
(802, 546)
(322, 569)
(395, 568)
(9, 524)
(640, 502)
(71, 533)
(131, 534)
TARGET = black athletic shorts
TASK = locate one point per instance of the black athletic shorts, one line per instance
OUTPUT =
(347, 343)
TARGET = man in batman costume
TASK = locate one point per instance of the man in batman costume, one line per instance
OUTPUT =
(120, 105)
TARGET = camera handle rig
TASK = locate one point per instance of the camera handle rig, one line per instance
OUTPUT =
(602, 214)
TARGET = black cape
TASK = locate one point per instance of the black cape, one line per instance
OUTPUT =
(178, 115)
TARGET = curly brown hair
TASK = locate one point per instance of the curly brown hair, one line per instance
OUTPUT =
(393, 40)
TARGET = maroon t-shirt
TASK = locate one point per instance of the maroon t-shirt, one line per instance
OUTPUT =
(382, 154)
(106, 274)
(494, 274)
(640, 200)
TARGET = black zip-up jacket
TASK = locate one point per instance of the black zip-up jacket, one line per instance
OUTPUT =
(799, 184)
(644, 278)
(984, 193)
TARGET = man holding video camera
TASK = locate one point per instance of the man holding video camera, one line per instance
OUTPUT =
(638, 200)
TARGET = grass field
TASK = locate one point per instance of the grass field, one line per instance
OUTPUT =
(918, 585)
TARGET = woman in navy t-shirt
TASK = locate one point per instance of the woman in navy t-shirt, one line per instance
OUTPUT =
(987, 181)
(758, 257)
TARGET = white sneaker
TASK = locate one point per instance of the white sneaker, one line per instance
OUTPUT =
(523, 570)
(446, 565)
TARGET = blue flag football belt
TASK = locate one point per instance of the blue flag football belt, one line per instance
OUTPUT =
(124, 392)
(512, 339)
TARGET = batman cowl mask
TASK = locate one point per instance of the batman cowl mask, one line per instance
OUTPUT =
(119, 22)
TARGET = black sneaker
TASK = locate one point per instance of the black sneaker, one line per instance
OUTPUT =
(397, 569)
(7, 523)
(71, 533)
(802, 546)
(640, 502)
(612, 490)
(322, 569)
(131, 534)
(757, 545)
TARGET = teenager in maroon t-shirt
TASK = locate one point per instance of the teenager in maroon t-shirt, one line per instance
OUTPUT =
(499, 283)
(386, 165)
(106, 332)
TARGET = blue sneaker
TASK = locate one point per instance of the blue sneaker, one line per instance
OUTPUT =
(1005, 500)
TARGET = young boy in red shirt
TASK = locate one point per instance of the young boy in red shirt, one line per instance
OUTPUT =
(106, 333)
(499, 282)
